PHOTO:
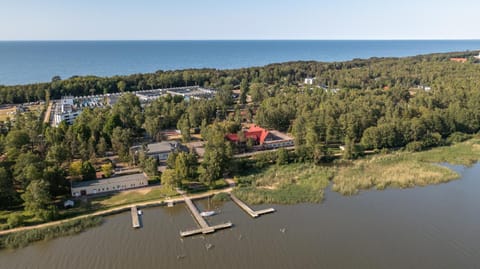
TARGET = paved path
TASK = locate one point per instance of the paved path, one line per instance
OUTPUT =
(116, 210)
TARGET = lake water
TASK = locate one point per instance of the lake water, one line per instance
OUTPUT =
(427, 227)
(37, 61)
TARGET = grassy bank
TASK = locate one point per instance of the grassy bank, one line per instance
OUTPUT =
(404, 169)
(23, 238)
(295, 183)
(397, 170)
(465, 153)
(287, 184)
(92, 205)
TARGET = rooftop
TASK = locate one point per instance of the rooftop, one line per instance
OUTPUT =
(164, 146)
(254, 132)
(116, 180)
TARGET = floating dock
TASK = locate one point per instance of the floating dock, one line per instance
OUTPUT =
(135, 217)
(204, 227)
(249, 210)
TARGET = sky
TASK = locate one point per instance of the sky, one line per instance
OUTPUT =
(245, 19)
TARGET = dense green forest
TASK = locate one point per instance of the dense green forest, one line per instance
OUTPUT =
(412, 103)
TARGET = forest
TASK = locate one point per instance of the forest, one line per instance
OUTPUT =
(411, 103)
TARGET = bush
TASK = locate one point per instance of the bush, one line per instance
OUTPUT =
(15, 220)
(457, 137)
(264, 159)
(414, 146)
(221, 197)
(107, 169)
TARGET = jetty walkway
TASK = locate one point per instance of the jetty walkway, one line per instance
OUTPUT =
(249, 210)
(204, 228)
(135, 217)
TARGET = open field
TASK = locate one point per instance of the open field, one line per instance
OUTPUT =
(7, 112)
(134, 196)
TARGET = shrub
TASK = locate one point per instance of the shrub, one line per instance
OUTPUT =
(414, 146)
(221, 197)
(15, 220)
(457, 137)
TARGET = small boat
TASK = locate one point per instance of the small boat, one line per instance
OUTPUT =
(207, 213)
(139, 212)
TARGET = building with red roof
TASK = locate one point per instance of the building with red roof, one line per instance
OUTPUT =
(459, 60)
(262, 137)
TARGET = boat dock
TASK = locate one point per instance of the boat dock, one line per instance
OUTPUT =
(135, 217)
(249, 210)
(204, 227)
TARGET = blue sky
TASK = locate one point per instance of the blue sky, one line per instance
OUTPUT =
(246, 19)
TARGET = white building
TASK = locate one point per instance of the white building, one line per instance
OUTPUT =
(110, 184)
(65, 111)
(193, 92)
(309, 81)
(477, 57)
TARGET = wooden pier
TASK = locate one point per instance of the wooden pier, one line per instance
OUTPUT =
(204, 227)
(135, 217)
(249, 210)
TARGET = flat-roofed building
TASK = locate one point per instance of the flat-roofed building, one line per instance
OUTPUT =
(119, 183)
(160, 150)
(193, 92)
(65, 110)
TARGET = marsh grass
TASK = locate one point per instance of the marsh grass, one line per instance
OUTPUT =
(287, 184)
(465, 153)
(395, 170)
(23, 238)
(406, 170)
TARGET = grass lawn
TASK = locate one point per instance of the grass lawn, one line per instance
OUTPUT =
(136, 196)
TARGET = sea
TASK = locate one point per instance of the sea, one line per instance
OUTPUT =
(23, 62)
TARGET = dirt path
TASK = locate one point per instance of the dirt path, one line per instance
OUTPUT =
(46, 118)
(117, 210)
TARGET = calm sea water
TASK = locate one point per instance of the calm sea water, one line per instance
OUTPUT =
(28, 62)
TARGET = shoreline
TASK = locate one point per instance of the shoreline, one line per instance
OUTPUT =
(116, 210)
(462, 153)
(353, 55)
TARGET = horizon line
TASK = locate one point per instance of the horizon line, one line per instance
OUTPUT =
(273, 39)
